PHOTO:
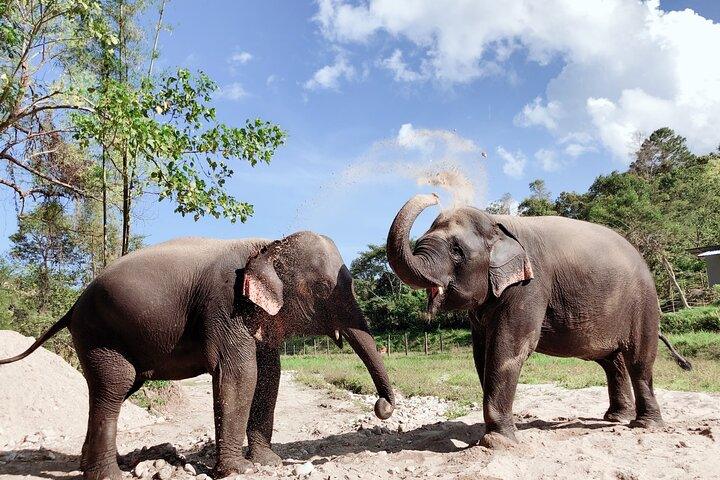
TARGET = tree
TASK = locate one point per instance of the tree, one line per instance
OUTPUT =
(661, 152)
(538, 203)
(504, 206)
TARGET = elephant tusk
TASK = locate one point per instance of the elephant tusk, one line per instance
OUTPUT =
(441, 290)
(337, 335)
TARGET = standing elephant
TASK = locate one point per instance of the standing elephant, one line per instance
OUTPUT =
(198, 305)
(549, 284)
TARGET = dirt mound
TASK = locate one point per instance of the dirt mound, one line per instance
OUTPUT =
(42, 396)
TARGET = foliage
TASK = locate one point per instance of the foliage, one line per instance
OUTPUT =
(665, 204)
(691, 320)
(388, 303)
(174, 126)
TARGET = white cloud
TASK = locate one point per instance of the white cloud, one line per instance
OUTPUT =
(514, 163)
(577, 149)
(233, 91)
(400, 70)
(628, 66)
(536, 113)
(548, 160)
(328, 77)
(240, 57)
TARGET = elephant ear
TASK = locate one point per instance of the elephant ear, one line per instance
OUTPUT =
(262, 285)
(509, 262)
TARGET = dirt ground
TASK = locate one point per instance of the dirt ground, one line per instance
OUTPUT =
(324, 435)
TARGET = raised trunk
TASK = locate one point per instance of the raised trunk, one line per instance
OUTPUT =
(364, 346)
(411, 269)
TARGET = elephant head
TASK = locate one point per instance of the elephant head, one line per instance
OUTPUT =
(465, 256)
(304, 288)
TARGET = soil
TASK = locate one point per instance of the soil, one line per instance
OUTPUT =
(324, 434)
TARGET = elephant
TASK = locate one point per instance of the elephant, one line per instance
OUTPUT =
(198, 305)
(554, 285)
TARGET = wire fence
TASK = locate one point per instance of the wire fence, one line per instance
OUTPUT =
(395, 343)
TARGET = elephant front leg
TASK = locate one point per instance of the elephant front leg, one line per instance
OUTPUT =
(478, 344)
(233, 387)
(505, 353)
(262, 413)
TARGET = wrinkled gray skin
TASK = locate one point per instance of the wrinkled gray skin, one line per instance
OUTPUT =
(549, 284)
(198, 305)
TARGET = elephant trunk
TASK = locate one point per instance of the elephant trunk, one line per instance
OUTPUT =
(364, 346)
(412, 269)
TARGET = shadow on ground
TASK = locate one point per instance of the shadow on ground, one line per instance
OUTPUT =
(440, 437)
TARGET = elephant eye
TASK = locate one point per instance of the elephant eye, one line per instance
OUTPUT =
(457, 251)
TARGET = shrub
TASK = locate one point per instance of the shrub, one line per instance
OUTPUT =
(691, 320)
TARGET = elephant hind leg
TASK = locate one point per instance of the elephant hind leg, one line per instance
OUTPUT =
(110, 376)
(640, 359)
(622, 406)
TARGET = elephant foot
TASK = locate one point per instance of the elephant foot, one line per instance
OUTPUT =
(108, 472)
(619, 415)
(647, 422)
(498, 441)
(264, 456)
(233, 467)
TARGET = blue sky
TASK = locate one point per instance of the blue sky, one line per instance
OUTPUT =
(556, 92)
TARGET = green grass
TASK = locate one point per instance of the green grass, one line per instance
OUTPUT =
(452, 375)
(152, 395)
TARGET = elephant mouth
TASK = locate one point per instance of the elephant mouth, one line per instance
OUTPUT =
(435, 295)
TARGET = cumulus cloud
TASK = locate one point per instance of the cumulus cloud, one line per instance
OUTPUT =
(240, 57)
(329, 76)
(232, 91)
(628, 66)
(401, 71)
(548, 160)
(513, 163)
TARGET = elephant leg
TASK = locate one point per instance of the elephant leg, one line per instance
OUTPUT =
(262, 412)
(478, 344)
(640, 361)
(507, 346)
(110, 377)
(622, 406)
(234, 382)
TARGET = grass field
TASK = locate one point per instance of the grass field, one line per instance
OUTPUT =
(452, 375)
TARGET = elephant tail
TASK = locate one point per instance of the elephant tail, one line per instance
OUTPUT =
(679, 359)
(57, 326)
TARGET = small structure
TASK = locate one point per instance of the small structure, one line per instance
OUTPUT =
(711, 255)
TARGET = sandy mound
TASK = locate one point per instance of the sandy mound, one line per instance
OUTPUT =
(43, 396)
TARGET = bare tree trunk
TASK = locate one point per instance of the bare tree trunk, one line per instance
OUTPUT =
(126, 204)
(671, 273)
(104, 207)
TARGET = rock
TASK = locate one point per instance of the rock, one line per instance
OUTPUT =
(189, 469)
(165, 473)
(202, 476)
(159, 463)
(303, 469)
(142, 469)
(459, 443)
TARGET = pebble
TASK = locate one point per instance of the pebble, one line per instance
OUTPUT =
(159, 463)
(142, 469)
(303, 469)
(189, 469)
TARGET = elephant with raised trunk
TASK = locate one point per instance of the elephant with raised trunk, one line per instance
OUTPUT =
(553, 285)
(198, 305)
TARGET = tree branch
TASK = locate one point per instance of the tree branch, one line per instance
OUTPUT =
(38, 173)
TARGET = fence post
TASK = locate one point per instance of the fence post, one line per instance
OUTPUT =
(327, 345)
(388, 345)
(285, 347)
(426, 343)
(406, 345)
(304, 347)
(293, 349)
(314, 346)
(441, 342)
